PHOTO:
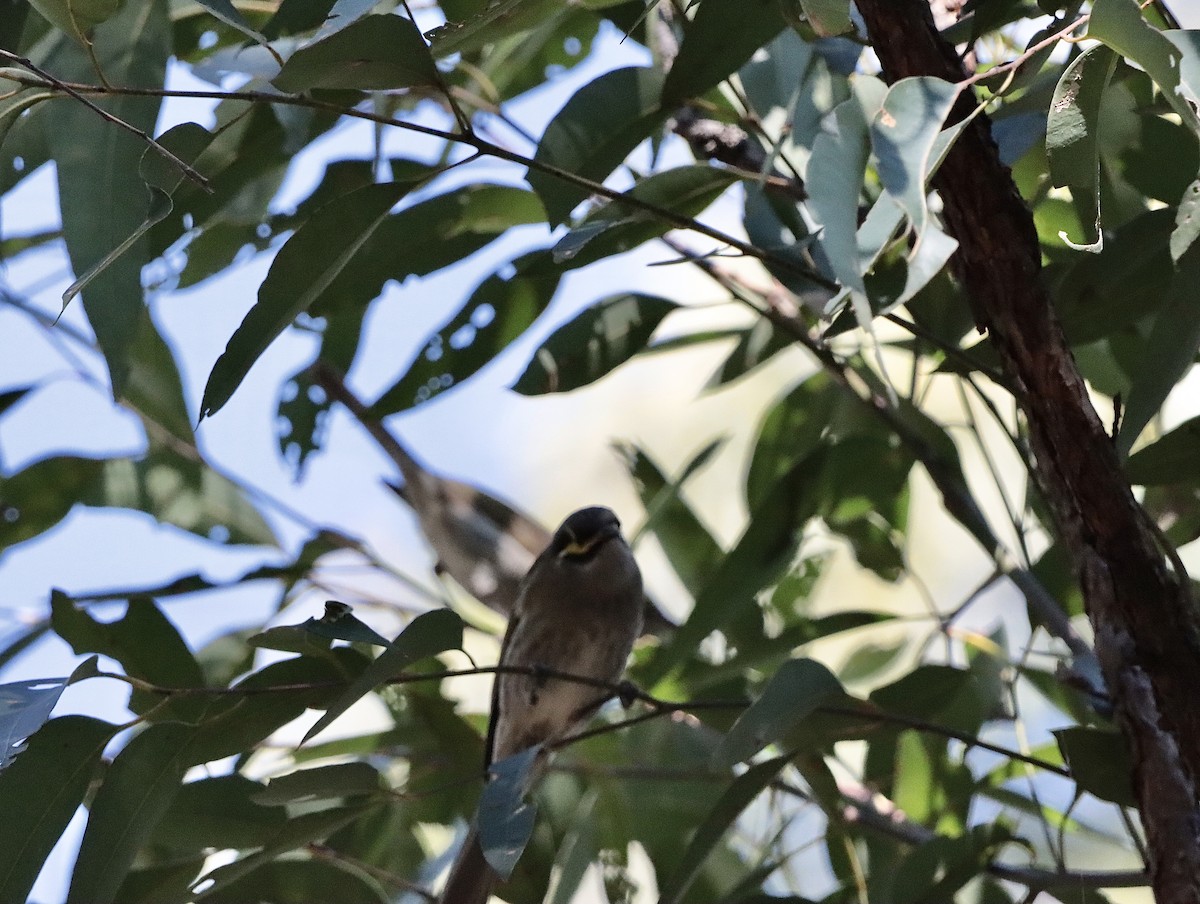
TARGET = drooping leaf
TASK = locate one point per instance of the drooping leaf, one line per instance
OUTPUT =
(1170, 351)
(758, 559)
(335, 781)
(426, 635)
(24, 707)
(599, 340)
(728, 809)
(836, 171)
(793, 693)
(162, 177)
(505, 819)
(39, 794)
(136, 792)
(905, 137)
(1099, 762)
(1175, 458)
(302, 270)
(377, 52)
(691, 549)
(132, 49)
(1072, 136)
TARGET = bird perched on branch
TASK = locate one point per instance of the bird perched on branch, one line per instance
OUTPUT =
(578, 611)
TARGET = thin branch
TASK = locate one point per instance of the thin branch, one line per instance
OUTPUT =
(46, 80)
(482, 145)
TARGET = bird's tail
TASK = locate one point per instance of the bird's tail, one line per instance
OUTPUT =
(471, 877)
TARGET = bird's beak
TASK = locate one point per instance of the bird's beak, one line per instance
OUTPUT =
(583, 547)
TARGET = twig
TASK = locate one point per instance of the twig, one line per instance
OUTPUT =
(48, 80)
(482, 145)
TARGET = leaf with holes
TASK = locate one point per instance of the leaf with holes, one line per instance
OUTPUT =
(596, 342)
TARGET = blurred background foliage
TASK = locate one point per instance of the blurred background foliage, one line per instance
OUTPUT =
(871, 678)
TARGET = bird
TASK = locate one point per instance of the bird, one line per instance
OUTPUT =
(578, 611)
(484, 543)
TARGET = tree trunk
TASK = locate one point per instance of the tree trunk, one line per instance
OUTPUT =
(1141, 611)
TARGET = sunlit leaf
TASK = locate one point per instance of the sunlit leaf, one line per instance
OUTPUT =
(1072, 136)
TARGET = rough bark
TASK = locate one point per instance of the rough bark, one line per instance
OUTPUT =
(1142, 613)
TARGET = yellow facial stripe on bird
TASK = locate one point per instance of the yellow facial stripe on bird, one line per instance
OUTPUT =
(578, 547)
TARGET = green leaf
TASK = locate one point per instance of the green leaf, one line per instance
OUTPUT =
(99, 188)
(755, 346)
(1187, 221)
(836, 170)
(905, 137)
(1175, 458)
(24, 708)
(377, 52)
(154, 389)
(505, 819)
(828, 17)
(597, 341)
(1073, 136)
(183, 492)
(77, 17)
(228, 13)
(725, 812)
(136, 792)
(162, 177)
(1170, 352)
(690, 548)
(339, 623)
(34, 500)
(793, 693)
(217, 812)
(39, 794)
(722, 36)
(1099, 762)
(426, 635)
(756, 561)
(144, 641)
(1120, 25)
(618, 226)
(331, 782)
(494, 23)
(302, 270)
(236, 722)
(296, 832)
(500, 309)
(593, 133)
(294, 881)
